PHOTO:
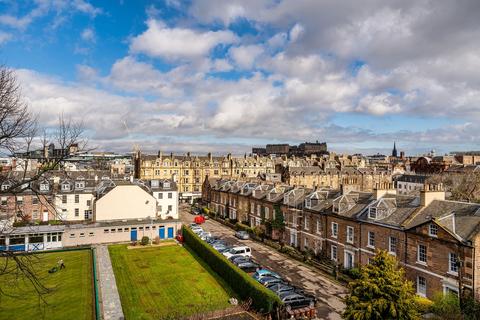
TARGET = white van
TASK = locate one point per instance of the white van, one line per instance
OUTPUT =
(238, 251)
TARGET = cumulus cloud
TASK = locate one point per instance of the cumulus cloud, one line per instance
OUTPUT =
(245, 56)
(4, 37)
(178, 43)
(88, 34)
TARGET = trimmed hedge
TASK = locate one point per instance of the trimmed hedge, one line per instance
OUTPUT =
(263, 300)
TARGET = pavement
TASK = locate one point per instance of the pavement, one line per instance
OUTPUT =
(329, 294)
(111, 305)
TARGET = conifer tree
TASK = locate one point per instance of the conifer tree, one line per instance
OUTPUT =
(381, 292)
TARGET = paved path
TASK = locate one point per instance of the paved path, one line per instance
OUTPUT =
(329, 294)
(111, 305)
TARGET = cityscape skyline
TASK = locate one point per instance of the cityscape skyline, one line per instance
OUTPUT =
(217, 76)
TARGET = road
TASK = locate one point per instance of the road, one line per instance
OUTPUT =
(329, 294)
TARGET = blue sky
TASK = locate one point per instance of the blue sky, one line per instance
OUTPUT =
(223, 76)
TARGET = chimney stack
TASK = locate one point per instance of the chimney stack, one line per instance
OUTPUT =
(430, 193)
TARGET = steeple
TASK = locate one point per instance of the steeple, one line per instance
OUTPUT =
(394, 151)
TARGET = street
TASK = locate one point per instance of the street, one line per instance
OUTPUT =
(328, 293)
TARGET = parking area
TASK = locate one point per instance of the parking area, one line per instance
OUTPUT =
(328, 293)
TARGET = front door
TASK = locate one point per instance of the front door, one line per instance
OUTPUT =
(133, 235)
(170, 233)
(45, 216)
(348, 264)
(161, 232)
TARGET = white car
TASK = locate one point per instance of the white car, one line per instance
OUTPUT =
(238, 251)
(204, 235)
(197, 230)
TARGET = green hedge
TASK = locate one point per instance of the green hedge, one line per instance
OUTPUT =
(243, 227)
(263, 300)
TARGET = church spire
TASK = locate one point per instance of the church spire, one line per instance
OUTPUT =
(394, 151)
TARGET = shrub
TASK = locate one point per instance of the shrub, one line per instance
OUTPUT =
(145, 241)
(206, 211)
(263, 300)
(353, 273)
(243, 227)
(424, 305)
(447, 306)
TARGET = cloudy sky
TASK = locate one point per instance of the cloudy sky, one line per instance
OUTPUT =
(222, 76)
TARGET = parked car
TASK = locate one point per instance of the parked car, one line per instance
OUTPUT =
(225, 249)
(244, 251)
(204, 235)
(280, 288)
(265, 273)
(199, 220)
(196, 210)
(212, 239)
(248, 266)
(218, 244)
(266, 281)
(242, 235)
(293, 300)
(236, 259)
(197, 230)
(192, 225)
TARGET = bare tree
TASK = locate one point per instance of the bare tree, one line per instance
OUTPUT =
(19, 136)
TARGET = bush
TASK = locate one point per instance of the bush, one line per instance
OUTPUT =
(447, 306)
(242, 227)
(206, 211)
(353, 273)
(145, 241)
(424, 305)
(263, 300)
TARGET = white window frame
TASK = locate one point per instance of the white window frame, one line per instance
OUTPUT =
(334, 228)
(334, 249)
(346, 252)
(318, 226)
(371, 236)
(350, 234)
(306, 223)
(372, 213)
(423, 292)
(431, 227)
(452, 265)
(392, 252)
(418, 254)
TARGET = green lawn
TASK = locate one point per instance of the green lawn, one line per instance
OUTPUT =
(165, 282)
(71, 289)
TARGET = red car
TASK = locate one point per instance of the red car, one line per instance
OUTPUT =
(199, 220)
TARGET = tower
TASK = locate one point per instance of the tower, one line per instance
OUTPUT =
(394, 151)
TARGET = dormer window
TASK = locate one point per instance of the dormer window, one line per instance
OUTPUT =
(372, 213)
(44, 186)
(65, 187)
(79, 185)
(308, 203)
(6, 186)
(166, 185)
(432, 230)
(154, 183)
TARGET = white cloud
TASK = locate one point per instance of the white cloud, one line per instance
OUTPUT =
(245, 56)
(378, 105)
(178, 43)
(296, 32)
(88, 34)
(4, 37)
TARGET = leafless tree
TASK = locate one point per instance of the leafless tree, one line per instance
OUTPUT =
(461, 186)
(19, 134)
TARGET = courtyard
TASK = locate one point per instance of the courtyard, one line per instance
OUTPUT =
(70, 290)
(166, 282)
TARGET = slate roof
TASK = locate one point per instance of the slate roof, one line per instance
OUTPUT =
(465, 223)
(400, 207)
(358, 200)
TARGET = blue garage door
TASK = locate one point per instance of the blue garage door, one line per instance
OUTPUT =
(170, 233)
(161, 232)
(133, 235)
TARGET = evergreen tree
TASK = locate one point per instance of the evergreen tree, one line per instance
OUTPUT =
(381, 292)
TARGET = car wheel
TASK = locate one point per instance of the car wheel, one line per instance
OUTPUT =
(288, 308)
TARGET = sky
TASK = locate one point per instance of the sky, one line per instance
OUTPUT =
(223, 76)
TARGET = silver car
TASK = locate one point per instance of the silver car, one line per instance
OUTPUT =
(242, 235)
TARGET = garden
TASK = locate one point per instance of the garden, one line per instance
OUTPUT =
(65, 293)
(167, 282)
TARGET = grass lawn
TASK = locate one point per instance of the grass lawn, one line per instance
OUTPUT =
(166, 282)
(71, 289)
